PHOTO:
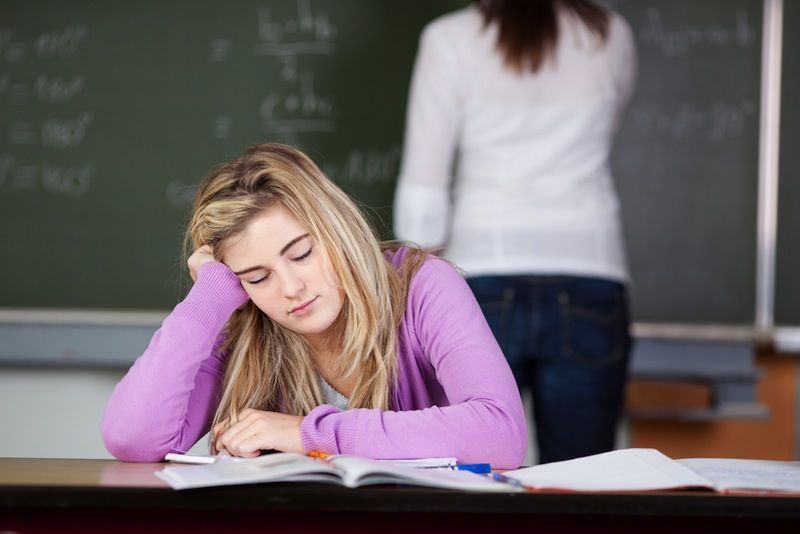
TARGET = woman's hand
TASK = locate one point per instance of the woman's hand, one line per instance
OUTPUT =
(199, 257)
(257, 430)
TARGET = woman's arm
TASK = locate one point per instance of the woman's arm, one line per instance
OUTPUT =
(422, 198)
(623, 60)
(484, 422)
(167, 399)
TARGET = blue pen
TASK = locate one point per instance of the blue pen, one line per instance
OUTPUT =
(507, 480)
(475, 468)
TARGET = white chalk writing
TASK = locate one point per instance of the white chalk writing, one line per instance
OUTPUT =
(678, 40)
(70, 181)
(367, 167)
(61, 133)
(721, 120)
(60, 43)
(307, 32)
(54, 89)
(56, 179)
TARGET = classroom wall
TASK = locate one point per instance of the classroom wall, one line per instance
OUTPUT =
(55, 413)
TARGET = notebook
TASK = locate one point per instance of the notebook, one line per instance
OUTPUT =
(649, 469)
(348, 471)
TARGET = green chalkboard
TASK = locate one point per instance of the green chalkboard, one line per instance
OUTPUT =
(686, 160)
(787, 277)
(113, 111)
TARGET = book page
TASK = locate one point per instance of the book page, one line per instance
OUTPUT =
(276, 467)
(748, 475)
(423, 463)
(620, 470)
(363, 471)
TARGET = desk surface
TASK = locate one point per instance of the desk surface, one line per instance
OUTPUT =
(98, 484)
(23, 478)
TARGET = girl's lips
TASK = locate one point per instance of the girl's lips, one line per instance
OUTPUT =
(304, 306)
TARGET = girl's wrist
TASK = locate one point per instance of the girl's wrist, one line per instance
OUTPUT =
(217, 278)
(214, 297)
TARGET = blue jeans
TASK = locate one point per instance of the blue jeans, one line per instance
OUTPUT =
(566, 338)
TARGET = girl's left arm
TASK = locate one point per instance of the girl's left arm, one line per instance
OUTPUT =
(484, 421)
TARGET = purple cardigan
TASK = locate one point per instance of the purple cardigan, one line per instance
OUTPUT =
(455, 393)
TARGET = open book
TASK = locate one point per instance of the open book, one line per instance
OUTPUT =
(649, 469)
(212, 458)
(349, 471)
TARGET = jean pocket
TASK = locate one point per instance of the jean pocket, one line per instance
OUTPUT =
(594, 330)
(496, 300)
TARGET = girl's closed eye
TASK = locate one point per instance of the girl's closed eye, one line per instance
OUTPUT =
(258, 280)
(303, 256)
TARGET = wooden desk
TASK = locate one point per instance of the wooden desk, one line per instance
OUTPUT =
(46, 495)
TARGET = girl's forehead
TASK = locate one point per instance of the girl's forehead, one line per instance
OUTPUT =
(271, 233)
(273, 224)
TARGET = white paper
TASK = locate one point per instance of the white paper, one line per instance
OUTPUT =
(620, 470)
(201, 458)
(423, 463)
(755, 475)
(190, 458)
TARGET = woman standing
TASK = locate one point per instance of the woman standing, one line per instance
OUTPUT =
(512, 112)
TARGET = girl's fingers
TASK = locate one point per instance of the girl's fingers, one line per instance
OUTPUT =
(199, 257)
(250, 446)
(249, 435)
(216, 432)
(235, 434)
(219, 427)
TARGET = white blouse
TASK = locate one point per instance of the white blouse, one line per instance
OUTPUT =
(510, 172)
(332, 396)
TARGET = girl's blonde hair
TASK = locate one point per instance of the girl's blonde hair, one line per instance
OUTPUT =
(270, 367)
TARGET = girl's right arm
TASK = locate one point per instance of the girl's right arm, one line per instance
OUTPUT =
(167, 399)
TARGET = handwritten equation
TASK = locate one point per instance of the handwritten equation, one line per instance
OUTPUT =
(294, 104)
(677, 39)
(718, 121)
(36, 124)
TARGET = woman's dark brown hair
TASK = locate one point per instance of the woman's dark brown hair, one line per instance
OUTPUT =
(528, 29)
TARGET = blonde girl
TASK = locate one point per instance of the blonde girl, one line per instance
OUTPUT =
(302, 332)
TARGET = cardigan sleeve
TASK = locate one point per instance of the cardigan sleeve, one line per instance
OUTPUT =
(484, 421)
(422, 198)
(167, 399)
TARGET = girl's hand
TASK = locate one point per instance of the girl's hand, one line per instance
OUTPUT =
(257, 430)
(199, 257)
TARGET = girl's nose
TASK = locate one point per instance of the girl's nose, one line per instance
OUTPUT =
(292, 285)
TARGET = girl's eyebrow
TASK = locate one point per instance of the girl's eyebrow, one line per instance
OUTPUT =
(292, 242)
(283, 251)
